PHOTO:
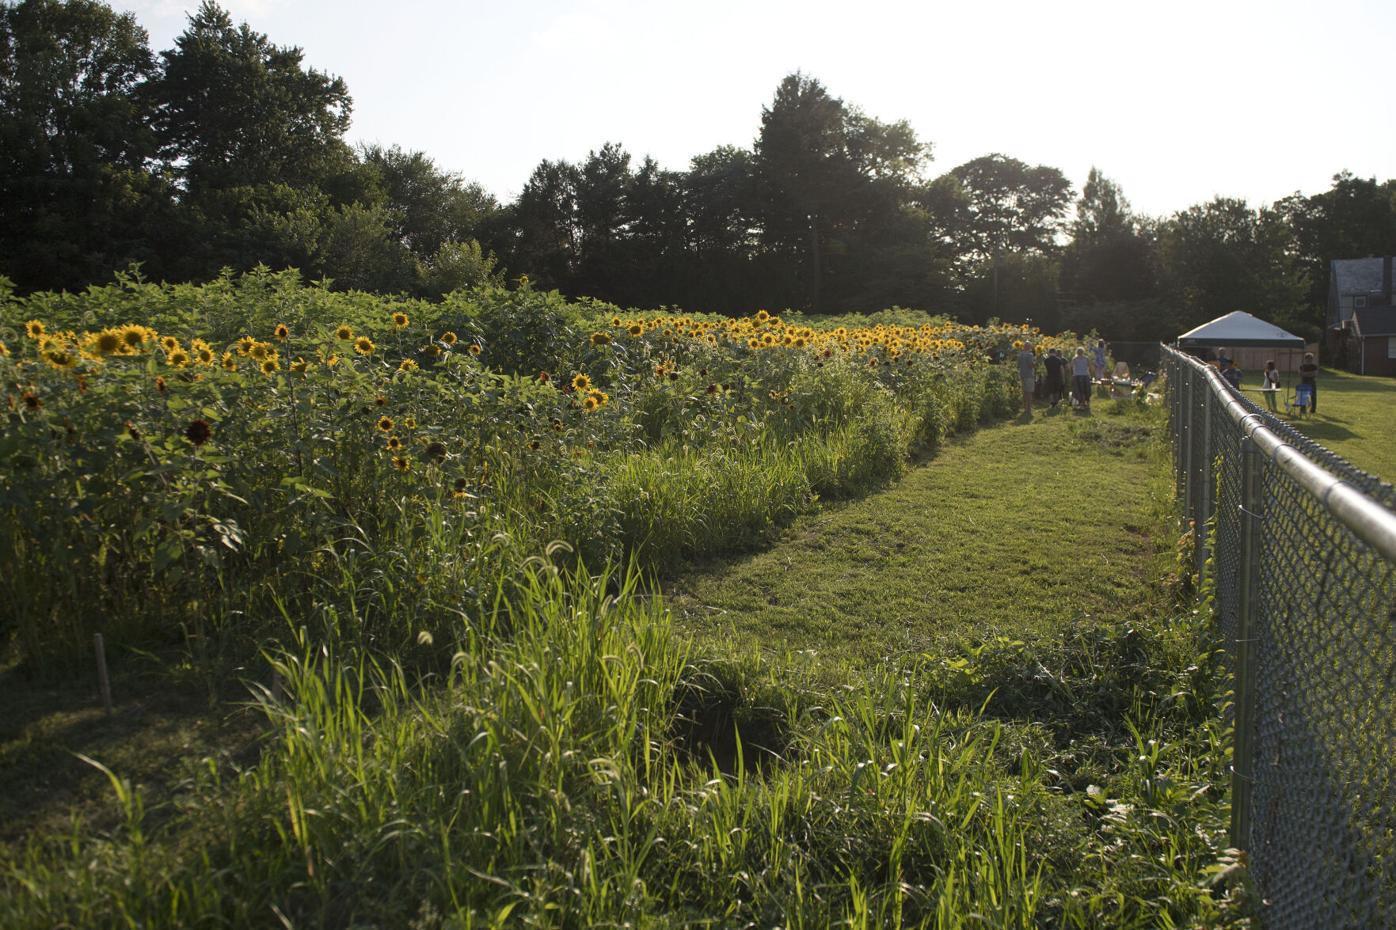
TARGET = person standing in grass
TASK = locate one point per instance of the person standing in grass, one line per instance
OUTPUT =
(1081, 378)
(1271, 387)
(1027, 373)
(1308, 374)
(1230, 372)
(1056, 376)
(1102, 371)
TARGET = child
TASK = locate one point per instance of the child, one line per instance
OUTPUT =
(1271, 387)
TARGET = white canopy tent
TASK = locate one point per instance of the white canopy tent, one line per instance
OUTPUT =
(1239, 328)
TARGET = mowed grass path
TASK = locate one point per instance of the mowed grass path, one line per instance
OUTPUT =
(1013, 531)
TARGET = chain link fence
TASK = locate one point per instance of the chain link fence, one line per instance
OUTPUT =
(1300, 549)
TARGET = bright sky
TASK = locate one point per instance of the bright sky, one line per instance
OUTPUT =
(1178, 102)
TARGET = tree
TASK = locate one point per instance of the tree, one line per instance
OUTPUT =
(1223, 256)
(234, 109)
(995, 204)
(993, 207)
(77, 188)
(428, 207)
(1355, 218)
(458, 265)
(802, 162)
(542, 229)
(602, 186)
(1109, 258)
(834, 183)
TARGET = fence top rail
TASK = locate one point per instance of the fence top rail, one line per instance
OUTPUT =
(1365, 517)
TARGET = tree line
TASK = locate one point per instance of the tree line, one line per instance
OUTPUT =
(227, 151)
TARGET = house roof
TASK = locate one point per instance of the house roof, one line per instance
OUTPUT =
(1239, 328)
(1357, 275)
(1376, 321)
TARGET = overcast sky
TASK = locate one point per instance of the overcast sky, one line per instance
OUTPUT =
(1178, 102)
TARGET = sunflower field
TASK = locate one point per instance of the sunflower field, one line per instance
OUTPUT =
(424, 537)
(192, 465)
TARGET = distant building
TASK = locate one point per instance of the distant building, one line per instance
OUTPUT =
(1361, 332)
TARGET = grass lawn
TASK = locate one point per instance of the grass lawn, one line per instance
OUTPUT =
(1356, 418)
(1012, 531)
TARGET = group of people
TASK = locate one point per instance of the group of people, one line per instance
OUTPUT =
(1083, 367)
(1305, 396)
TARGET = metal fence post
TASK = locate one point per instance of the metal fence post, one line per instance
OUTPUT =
(1247, 613)
(1207, 491)
(1189, 512)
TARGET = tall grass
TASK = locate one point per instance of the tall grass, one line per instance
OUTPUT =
(556, 776)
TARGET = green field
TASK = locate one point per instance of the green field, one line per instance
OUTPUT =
(384, 596)
(1356, 418)
(1019, 532)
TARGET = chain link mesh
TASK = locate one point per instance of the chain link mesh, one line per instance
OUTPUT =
(1314, 658)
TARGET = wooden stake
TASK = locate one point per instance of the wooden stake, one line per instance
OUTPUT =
(103, 681)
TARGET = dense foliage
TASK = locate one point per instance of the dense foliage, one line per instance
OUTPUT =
(228, 151)
(255, 448)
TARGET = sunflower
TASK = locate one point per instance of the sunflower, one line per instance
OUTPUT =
(108, 342)
(270, 365)
(402, 463)
(204, 355)
(363, 345)
(259, 351)
(160, 383)
(400, 320)
(344, 331)
(169, 343)
(407, 365)
(394, 443)
(409, 422)
(762, 316)
(32, 401)
(61, 357)
(332, 361)
(581, 382)
(615, 321)
(230, 361)
(282, 331)
(300, 366)
(385, 424)
(177, 359)
(198, 432)
(590, 404)
(436, 451)
(601, 397)
(475, 348)
(135, 336)
(245, 345)
(636, 329)
(34, 329)
(449, 338)
(459, 491)
(600, 338)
